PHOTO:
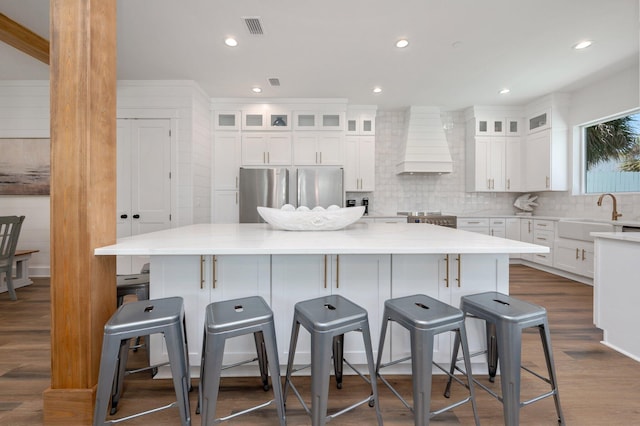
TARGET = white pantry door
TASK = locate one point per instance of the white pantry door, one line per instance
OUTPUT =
(144, 182)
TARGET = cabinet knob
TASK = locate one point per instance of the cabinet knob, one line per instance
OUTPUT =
(136, 216)
(123, 216)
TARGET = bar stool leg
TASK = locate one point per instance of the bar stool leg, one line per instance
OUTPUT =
(320, 372)
(454, 359)
(179, 363)
(210, 378)
(274, 369)
(461, 335)
(545, 336)
(295, 330)
(510, 350)
(338, 358)
(366, 336)
(383, 335)
(421, 360)
(262, 359)
(492, 351)
(118, 380)
(110, 350)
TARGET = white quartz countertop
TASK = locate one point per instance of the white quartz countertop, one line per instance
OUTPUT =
(359, 238)
(633, 237)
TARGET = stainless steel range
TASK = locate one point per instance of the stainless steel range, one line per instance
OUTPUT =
(432, 218)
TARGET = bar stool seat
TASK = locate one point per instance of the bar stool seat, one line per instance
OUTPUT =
(232, 318)
(505, 318)
(327, 319)
(424, 318)
(135, 319)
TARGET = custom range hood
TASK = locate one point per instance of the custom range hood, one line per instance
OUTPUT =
(425, 144)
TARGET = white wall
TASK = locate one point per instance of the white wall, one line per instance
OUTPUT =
(24, 113)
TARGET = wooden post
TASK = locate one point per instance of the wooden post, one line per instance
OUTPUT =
(83, 201)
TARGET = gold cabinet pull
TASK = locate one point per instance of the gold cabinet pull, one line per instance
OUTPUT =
(201, 272)
(446, 267)
(325, 271)
(459, 278)
(337, 271)
(577, 253)
(214, 270)
(583, 254)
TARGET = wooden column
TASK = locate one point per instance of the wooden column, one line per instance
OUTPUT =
(83, 201)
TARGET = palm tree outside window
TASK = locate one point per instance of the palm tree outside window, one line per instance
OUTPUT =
(612, 155)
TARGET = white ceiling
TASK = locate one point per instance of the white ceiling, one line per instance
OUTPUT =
(461, 52)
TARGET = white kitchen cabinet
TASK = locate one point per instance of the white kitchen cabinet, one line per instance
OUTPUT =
(226, 120)
(545, 165)
(538, 121)
(488, 164)
(267, 118)
(574, 256)
(498, 227)
(318, 149)
(446, 278)
(295, 278)
(361, 122)
(513, 164)
(512, 232)
(261, 148)
(544, 235)
(309, 120)
(498, 126)
(479, 225)
(526, 235)
(200, 280)
(359, 166)
(226, 160)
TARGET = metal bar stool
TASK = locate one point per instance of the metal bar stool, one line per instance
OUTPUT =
(505, 318)
(327, 318)
(424, 318)
(138, 285)
(232, 318)
(135, 319)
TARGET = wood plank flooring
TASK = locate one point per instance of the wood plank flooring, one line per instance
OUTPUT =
(598, 386)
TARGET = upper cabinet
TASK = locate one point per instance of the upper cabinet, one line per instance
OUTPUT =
(226, 120)
(268, 118)
(318, 148)
(262, 149)
(498, 126)
(361, 122)
(310, 120)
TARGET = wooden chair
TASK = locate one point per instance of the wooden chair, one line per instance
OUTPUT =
(9, 233)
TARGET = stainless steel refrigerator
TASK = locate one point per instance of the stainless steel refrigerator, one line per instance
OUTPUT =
(319, 186)
(270, 187)
(262, 187)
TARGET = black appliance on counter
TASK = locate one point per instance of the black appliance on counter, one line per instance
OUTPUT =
(351, 203)
(365, 203)
(434, 219)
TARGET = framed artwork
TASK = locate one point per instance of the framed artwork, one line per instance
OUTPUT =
(25, 166)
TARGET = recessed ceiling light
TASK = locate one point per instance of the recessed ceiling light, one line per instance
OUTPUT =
(504, 91)
(377, 90)
(231, 42)
(402, 43)
(256, 90)
(582, 45)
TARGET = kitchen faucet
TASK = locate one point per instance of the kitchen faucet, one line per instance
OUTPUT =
(614, 214)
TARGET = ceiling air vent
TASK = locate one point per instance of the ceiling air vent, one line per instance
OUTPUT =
(254, 25)
(274, 82)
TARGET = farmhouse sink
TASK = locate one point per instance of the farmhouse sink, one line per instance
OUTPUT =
(582, 229)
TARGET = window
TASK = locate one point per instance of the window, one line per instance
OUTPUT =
(612, 155)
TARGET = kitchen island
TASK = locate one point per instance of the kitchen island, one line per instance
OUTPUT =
(366, 262)
(617, 290)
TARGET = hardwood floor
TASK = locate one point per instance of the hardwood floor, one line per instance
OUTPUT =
(598, 386)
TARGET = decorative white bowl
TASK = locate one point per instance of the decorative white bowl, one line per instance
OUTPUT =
(317, 219)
